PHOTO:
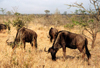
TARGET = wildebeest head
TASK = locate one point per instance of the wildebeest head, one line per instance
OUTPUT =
(52, 51)
(52, 33)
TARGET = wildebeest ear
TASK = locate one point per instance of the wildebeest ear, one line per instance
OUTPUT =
(49, 50)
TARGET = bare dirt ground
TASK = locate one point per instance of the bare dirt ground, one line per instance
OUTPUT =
(29, 58)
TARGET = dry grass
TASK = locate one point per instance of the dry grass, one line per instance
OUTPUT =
(31, 59)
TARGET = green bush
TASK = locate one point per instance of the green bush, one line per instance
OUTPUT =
(16, 13)
(18, 23)
(8, 24)
(69, 25)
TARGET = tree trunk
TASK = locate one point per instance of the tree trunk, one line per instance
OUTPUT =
(93, 41)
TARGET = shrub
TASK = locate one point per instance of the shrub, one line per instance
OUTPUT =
(18, 23)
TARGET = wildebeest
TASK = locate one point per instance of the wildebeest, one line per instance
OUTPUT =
(26, 35)
(3, 27)
(52, 33)
(71, 40)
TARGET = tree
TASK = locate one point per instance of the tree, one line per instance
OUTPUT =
(57, 11)
(76, 11)
(82, 11)
(2, 10)
(92, 25)
(65, 12)
(18, 23)
(16, 13)
(46, 11)
(15, 10)
(8, 12)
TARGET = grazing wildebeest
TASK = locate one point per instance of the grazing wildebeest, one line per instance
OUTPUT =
(52, 33)
(3, 27)
(26, 35)
(71, 40)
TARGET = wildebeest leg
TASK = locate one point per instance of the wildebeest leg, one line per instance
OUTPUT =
(35, 42)
(64, 52)
(24, 45)
(82, 50)
(83, 53)
(32, 44)
(23, 42)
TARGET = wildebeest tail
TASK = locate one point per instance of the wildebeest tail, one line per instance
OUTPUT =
(35, 38)
(87, 51)
(36, 43)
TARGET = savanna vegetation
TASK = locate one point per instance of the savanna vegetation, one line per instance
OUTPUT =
(83, 21)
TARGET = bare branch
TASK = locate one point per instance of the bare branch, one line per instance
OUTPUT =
(85, 35)
(72, 6)
(93, 26)
(78, 6)
(87, 30)
(95, 3)
(91, 2)
(15, 9)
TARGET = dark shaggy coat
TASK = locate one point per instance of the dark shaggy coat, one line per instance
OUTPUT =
(71, 40)
(26, 35)
(52, 33)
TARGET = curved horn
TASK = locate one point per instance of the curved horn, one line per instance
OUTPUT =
(7, 40)
(45, 49)
(8, 43)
